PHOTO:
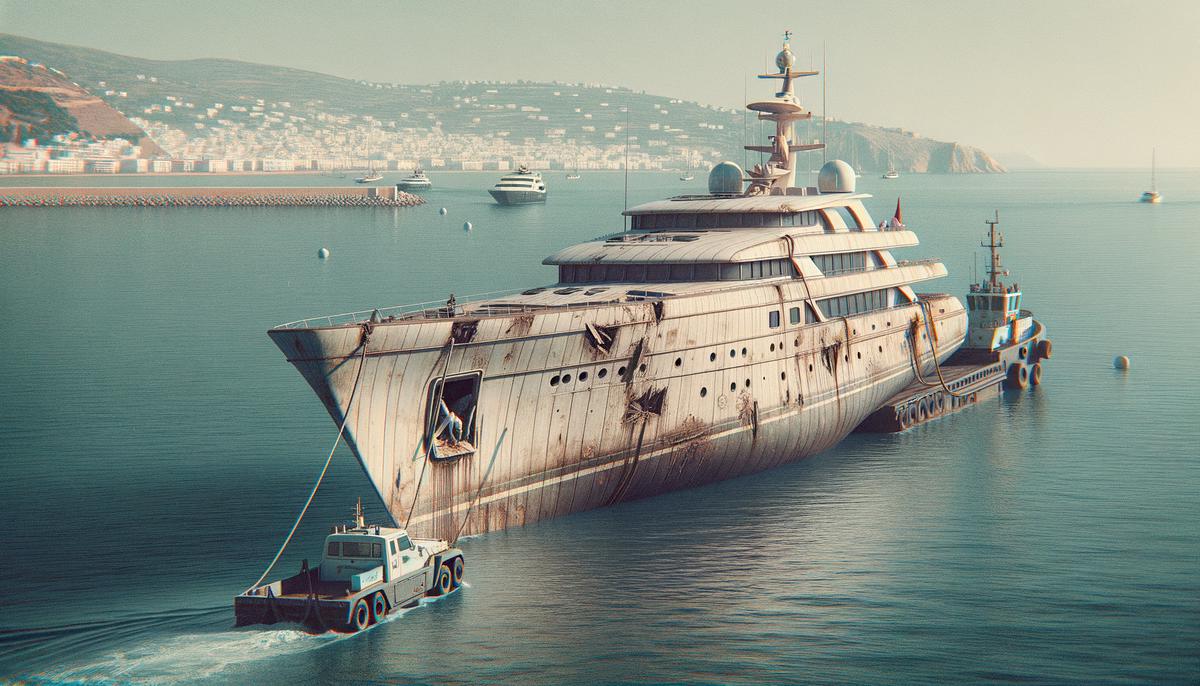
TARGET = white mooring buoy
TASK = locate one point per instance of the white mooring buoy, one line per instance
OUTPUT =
(1121, 362)
(442, 211)
(467, 226)
(323, 253)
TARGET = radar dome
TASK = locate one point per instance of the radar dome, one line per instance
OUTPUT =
(785, 60)
(725, 179)
(836, 177)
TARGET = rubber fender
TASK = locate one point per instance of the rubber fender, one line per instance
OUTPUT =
(1044, 348)
(1018, 376)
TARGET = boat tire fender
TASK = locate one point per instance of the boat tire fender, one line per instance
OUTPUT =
(923, 410)
(1018, 376)
(379, 606)
(1035, 374)
(360, 616)
(456, 571)
(1044, 348)
(445, 580)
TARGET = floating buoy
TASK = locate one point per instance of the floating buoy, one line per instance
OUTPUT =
(323, 253)
(467, 226)
(1121, 362)
(442, 211)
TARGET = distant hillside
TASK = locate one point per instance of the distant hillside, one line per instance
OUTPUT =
(38, 101)
(175, 94)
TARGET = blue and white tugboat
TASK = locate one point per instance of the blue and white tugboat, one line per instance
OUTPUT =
(1004, 350)
(366, 571)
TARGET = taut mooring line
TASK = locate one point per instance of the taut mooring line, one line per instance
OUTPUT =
(341, 430)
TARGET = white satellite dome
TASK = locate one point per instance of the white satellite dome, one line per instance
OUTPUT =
(725, 179)
(836, 177)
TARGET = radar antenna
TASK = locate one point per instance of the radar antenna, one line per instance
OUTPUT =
(359, 520)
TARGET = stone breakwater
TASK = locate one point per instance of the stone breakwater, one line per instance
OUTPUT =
(316, 196)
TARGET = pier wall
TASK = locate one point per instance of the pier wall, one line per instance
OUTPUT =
(198, 196)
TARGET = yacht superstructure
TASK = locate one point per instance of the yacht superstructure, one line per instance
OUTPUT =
(520, 188)
(723, 334)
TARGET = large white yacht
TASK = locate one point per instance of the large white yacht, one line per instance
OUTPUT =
(520, 188)
(417, 181)
(722, 334)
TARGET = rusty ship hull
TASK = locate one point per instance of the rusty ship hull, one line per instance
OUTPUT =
(682, 395)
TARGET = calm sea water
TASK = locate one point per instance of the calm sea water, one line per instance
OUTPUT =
(154, 447)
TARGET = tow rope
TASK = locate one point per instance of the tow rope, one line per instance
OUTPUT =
(341, 430)
(937, 365)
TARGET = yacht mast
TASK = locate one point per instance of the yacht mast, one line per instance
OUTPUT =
(779, 172)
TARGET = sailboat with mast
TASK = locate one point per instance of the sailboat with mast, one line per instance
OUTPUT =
(891, 172)
(1152, 196)
(688, 175)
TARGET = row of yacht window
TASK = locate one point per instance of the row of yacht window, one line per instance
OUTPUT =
(704, 271)
(714, 220)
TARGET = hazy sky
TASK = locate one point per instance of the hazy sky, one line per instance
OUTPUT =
(1068, 82)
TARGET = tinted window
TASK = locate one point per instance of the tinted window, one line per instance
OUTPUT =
(794, 315)
(773, 319)
(360, 549)
(405, 543)
(333, 549)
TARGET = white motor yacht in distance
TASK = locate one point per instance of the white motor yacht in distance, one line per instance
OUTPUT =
(520, 188)
(724, 333)
(417, 181)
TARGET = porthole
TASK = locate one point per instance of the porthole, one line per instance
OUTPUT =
(583, 376)
(772, 347)
(566, 378)
(783, 376)
(678, 361)
(796, 343)
(859, 355)
(603, 372)
(872, 327)
(810, 367)
(747, 383)
(732, 352)
(743, 352)
(881, 348)
(846, 357)
(712, 357)
(555, 379)
(733, 386)
(642, 367)
(621, 371)
(703, 391)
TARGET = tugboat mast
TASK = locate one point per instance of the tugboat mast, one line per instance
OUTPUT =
(995, 241)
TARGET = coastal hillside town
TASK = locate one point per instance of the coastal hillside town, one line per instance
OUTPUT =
(221, 116)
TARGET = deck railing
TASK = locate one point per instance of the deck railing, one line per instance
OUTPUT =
(471, 304)
(901, 263)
